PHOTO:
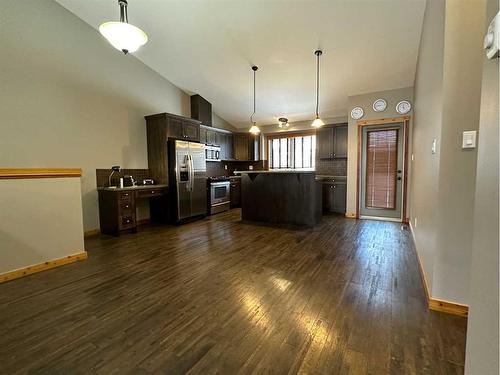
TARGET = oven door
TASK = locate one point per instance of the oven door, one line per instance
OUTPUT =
(219, 192)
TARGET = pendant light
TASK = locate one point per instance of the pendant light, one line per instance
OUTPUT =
(122, 35)
(317, 121)
(254, 129)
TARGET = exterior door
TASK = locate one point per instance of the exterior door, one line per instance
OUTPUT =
(381, 187)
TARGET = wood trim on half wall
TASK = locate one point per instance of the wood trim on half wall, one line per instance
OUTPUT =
(384, 121)
(16, 173)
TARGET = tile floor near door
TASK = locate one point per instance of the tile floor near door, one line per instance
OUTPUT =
(221, 296)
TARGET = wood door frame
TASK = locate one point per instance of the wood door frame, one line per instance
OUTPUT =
(385, 121)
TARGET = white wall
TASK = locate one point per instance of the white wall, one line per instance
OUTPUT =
(482, 328)
(69, 99)
(41, 221)
(447, 95)
(365, 101)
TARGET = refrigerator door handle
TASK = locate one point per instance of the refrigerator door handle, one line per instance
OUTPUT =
(191, 173)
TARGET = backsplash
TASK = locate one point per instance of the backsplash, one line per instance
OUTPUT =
(332, 167)
(102, 176)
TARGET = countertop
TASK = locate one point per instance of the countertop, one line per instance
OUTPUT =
(131, 188)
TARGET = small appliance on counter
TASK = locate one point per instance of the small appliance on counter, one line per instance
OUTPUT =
(219, 199)
(148, 181)
(128, 181)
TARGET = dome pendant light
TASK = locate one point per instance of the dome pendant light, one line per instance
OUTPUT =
(122, 35)
(254, 129)
(317, 121)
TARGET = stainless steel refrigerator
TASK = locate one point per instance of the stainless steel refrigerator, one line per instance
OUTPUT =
(188, 179)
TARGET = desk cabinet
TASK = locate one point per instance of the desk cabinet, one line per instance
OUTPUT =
(117, 207)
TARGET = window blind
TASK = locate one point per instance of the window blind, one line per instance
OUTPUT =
(381, 168)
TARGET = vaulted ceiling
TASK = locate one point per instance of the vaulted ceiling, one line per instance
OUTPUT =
(208, 47)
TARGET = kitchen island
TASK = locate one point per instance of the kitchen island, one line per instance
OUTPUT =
(281, 197)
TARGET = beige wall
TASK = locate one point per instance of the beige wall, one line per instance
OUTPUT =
(482, 328)
(426, 127)
(41, 220)
(68, 99)
(219, 122)
(447, 92)
(365, 101)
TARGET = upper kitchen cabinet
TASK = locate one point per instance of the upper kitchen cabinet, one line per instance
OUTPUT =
(246, 147)
(332, 142)
(177, 127)
(241, 149)
(160, 127)
(340, 141)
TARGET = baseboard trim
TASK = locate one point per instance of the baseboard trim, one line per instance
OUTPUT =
(92, 232)
(449, 307)
(350, 215)
(21, 272)
(436, 304)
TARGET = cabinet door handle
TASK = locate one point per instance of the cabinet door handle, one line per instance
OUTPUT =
(126, 206)
(152, 191)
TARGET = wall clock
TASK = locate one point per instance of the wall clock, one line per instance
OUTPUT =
(357, 113)
(379, 105)
(403, 107)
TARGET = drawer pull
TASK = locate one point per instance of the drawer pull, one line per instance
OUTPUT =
(152, 191)
(126, 206)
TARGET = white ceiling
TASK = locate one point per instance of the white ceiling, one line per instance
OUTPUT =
(208, 46)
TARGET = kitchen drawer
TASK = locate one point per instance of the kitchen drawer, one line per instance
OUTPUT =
(146, 193)
(127, 222)
(126, 206)
(126, 196)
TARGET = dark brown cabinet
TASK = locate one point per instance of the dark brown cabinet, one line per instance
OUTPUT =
(235, 192)
(340, 142)
(332, 142)
(241, 143)
(221, 138)
(160, 128)
(334, 196)
(246, 147)
(117, 208)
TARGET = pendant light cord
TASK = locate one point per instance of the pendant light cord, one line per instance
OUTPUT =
(254, 68)
(318, 54)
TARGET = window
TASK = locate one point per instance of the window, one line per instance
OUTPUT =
(292, 152)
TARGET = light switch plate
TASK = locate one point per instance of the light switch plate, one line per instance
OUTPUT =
(469, 139)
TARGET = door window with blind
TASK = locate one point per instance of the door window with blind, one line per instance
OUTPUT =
(292, 151)
(381, 167)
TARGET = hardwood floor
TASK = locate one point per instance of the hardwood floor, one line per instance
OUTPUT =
(220, 296)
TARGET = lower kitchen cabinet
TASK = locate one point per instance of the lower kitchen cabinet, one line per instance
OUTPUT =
(235, 192)
(334, 197)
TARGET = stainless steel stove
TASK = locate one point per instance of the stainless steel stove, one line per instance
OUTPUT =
(218, 194)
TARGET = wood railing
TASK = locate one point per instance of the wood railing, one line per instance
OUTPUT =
(11, 173)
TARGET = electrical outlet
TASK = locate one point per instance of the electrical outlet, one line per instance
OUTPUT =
(416, 222)
(412, 157)
(225, 167)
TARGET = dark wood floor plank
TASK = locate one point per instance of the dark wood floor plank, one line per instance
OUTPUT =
(218, 296)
